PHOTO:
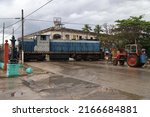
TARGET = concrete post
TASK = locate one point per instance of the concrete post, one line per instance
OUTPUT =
(6, 54)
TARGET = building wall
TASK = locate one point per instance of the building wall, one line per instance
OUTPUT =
(69, 35)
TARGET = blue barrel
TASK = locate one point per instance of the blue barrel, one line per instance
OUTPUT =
(143, 58)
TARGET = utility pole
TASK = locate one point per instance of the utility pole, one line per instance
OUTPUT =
(13, 32)
(3, 34)
(22, 19)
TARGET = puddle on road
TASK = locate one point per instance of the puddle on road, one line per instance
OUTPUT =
(60, 87)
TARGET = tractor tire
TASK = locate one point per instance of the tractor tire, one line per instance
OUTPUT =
(115, 62)
(133, 60)
(121, 62)
(141, 64)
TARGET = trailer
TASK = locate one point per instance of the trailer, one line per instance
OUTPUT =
(41, 46)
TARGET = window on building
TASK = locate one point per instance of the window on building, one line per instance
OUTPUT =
(67, 36)
(91, 38)
(56, 36)
(80, 37)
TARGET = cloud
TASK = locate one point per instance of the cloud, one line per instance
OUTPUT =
(72, 11)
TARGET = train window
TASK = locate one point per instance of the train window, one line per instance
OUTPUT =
(43, 37)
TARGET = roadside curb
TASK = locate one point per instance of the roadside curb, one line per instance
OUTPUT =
(14, 76)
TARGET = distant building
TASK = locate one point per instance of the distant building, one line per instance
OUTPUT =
(59, 32)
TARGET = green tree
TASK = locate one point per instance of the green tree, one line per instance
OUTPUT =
(98, 30)
(133, 30)
(87, 29)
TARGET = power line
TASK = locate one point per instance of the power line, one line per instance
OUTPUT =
(42, 20)
(27, 15)
(12, 24)
(38, 8)
(9, 18)
(17, 28)
(9, 34)
(78, 23)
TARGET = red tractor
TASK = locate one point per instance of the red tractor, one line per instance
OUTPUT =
(133, 54)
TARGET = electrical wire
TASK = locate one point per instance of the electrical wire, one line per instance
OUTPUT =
(9, 34)
(27, 15)
(9, 18)
(38, 8)
(12, 24)
(8, 27)
(41, 20)
(24, 18)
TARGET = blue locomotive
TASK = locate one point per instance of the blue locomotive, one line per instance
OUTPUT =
(41, 46)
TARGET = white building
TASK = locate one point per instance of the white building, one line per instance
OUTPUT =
(63, 33)
(59, 32)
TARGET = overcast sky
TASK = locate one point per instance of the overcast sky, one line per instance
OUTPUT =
(72, 11)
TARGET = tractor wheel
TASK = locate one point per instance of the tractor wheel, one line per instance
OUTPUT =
(133, 60)
(121, 62)
(140, 64)
(115, 62)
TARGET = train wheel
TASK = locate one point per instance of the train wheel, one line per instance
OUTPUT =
(90, 58)
(133, 60)
(78, 58)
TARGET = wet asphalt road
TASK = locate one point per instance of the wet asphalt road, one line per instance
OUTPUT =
(135, 81)
(78, 80)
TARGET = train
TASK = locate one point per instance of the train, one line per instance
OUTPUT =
(41, 46)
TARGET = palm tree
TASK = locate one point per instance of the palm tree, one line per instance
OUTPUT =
(87, 29)
(98, 30)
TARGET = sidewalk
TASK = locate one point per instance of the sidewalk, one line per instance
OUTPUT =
(2, 74)
(22, 72)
